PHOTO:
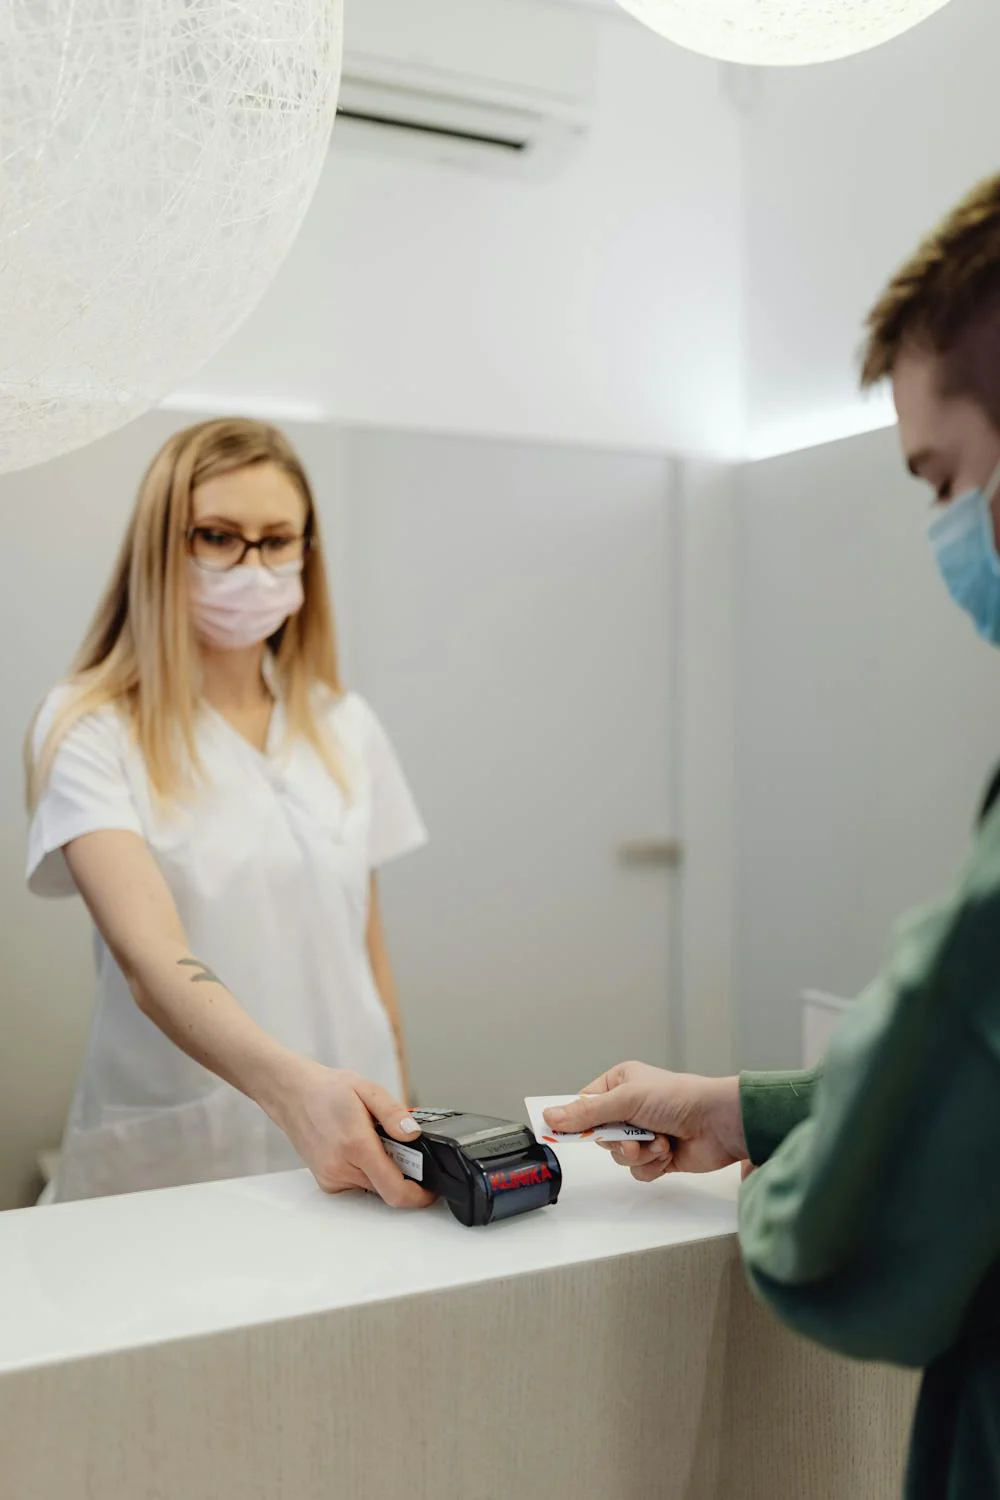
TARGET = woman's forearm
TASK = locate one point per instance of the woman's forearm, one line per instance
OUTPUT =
(326, 1113)
(190, 1004)
(134, 912)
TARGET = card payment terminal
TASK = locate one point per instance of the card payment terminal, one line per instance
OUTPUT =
(487, 1169)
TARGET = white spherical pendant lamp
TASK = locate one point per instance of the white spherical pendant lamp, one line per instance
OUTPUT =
(156, 161)
(781, 32)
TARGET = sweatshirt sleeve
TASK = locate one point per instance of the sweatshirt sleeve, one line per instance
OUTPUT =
(874, 1221)
(772, 1104)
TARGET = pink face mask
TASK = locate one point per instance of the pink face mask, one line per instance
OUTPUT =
(245, 606)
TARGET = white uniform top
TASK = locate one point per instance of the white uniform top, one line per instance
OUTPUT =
(270, 868)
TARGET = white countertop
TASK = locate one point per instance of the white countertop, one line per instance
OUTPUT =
(80, 1279)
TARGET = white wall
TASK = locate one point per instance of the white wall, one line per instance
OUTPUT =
(603, 307)
(706, 624)
(846, 167)
(867, 723)
(867, 715)
(696, 282)
(511, 614)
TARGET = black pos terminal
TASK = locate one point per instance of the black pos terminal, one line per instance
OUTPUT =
(487, 1169)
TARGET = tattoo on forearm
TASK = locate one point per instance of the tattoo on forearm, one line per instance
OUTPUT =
(203, 974)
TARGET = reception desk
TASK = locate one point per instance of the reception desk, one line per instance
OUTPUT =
(255, 1340)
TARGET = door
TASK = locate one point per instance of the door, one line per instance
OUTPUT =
(507, 614)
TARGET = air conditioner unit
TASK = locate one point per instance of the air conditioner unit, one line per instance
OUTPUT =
(491, 85)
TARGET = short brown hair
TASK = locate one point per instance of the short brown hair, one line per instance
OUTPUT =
(946, 299)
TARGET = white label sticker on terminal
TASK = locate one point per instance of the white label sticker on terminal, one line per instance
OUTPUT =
(408, 1159)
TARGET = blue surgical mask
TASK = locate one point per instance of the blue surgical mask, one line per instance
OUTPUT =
(961, 535)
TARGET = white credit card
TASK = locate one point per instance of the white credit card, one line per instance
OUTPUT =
(544, 1132)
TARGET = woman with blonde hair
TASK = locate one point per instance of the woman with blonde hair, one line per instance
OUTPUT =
(222, 805)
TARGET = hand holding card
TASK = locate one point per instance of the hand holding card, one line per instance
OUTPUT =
(537, 1106)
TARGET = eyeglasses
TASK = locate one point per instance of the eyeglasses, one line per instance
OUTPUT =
(218, 550)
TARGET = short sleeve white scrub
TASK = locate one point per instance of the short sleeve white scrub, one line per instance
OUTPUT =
(270, 867)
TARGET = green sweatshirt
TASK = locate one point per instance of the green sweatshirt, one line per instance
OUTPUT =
(873, 1224)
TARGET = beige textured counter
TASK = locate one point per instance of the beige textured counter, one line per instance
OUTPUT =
(255, 1341)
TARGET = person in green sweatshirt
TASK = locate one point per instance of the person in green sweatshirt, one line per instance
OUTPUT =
(870, 1211)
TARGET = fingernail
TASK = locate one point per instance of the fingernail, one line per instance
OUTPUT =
(408, 1125)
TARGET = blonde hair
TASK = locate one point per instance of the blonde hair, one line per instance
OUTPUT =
(946, 299)
(140, 653)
